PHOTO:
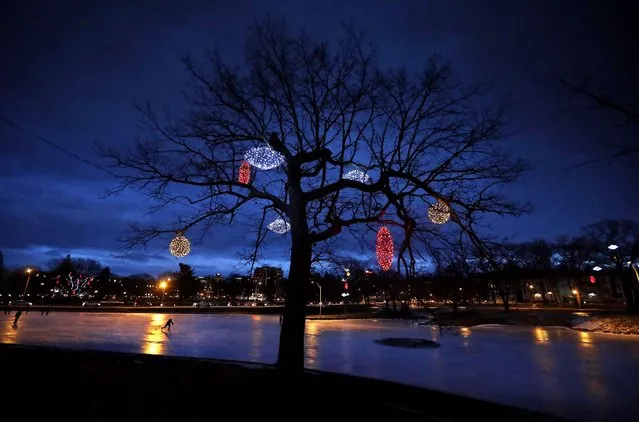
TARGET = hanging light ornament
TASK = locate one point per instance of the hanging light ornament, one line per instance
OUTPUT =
(264, 158)
(245, 173)
(179, 246)
(439, 213)
(279, 226)
(358, 176)
(384, 248)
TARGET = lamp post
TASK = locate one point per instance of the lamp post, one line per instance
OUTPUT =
(163, 287)
(577, 297)
(320, 298)
(618, 267)
(367, 274)
(635, 270)
(26, 286)
(345, 295)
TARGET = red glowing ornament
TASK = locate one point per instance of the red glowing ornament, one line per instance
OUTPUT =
(384, 248)
(245, 173)
(592, 279)
(345, 286)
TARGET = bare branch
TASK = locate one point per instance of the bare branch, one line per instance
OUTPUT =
(415, 139)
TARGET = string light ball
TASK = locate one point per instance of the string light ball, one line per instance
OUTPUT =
(439, 213)
(358, 176)
(245, 173)
(279, 226)
(264, 158)
(385, 248)
(180, 246)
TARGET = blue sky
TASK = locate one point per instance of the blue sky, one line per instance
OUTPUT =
(76, 69)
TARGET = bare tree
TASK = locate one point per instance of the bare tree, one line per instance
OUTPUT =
(2, 269)
(86, 266)
(615, 243)
(325, 110)
(622, 107)
(573, 259)
(537, 260)
(501, 262)
(453, 269)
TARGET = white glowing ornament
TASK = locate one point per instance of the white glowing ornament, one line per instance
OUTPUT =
(439, 213)
(358, 176)
(279, 226)
(179, 246)
(264, 158)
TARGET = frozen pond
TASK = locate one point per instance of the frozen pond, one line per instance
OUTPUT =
(558, 371)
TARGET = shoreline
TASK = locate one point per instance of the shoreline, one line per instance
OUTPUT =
(578, 320)
(540, 326)
(327, 310)
(603, 323)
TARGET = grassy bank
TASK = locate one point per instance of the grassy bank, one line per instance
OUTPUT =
(98, 386)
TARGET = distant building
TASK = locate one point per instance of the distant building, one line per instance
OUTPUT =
(208, 287)
(243, 285)
(268, 281)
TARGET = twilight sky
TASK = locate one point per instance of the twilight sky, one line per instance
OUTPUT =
(72, 70)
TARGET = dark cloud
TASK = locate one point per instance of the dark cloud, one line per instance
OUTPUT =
(46, 218)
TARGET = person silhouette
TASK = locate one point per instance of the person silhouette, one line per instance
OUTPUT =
(168, 324)
(18, 314)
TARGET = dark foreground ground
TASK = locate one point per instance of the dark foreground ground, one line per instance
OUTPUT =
(100, 386)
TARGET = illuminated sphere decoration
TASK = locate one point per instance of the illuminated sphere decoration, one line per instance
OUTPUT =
(439, 213)
(385, 248)
(264, 158)
(179, 246)
(279, 226)
(358, 176)
(245, 173)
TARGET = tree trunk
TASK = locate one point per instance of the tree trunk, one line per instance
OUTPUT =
(504, 293)
(544, 291)
(505, 301)
(291, 352)
(290, 357)
(629, 292)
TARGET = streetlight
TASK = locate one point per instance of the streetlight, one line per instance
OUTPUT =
(613, 247)
(320, 289)
(597, 268)
(26, 286)
(163, 287)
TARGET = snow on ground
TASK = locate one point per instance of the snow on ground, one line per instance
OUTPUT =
(609, 324)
